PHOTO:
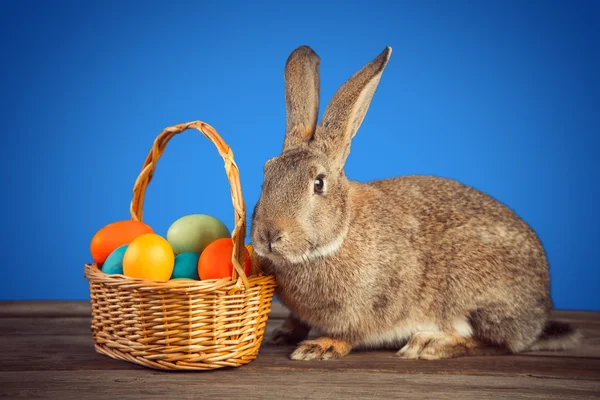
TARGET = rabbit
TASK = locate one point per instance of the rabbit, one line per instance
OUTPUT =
(422, 265)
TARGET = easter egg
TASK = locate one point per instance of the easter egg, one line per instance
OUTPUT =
(186, 266)
(183, 279)
(215, 260)
(114, 235)
(192, 233)
(149, 256)
(114, 262)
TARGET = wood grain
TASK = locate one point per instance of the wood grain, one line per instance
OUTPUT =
(249, 384)
(46, 351)
(48, 309)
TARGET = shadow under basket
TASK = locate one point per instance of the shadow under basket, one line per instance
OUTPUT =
(183, 325)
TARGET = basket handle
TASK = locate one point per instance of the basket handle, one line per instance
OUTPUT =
(233, 175)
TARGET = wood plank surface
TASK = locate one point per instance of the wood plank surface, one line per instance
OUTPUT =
(310, 384)
(46, 351)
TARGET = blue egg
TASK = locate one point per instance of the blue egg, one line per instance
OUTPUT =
(114, 262)
(186, 266)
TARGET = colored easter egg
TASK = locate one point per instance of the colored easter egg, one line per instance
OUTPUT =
(215, 261)
(149, 256)
(186, 266)
(114, 262)
(192, 233)
(183, 279)
(114, 235)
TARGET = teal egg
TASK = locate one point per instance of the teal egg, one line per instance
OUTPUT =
(186, 266)
(114, 262)
(192, 233)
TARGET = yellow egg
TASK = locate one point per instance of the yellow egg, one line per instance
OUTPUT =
(149, 256)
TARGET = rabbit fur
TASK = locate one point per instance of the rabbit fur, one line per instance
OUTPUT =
(425, 265)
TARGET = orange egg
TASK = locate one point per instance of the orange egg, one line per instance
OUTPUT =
(215, 260)
(114, 235)
(149, 256)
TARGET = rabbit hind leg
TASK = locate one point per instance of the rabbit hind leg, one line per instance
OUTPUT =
(503, 325)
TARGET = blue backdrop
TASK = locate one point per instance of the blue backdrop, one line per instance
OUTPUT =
(501, 96)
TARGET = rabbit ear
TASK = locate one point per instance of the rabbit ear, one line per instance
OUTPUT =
(301, 96)
(347, 109)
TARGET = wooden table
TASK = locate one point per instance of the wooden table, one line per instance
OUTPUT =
(46, 351)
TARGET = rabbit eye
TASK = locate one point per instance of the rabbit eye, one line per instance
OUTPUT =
(319, 184)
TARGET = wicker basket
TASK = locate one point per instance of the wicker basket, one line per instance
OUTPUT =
(183, 325)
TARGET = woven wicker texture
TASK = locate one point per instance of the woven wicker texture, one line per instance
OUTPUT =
(183, 325)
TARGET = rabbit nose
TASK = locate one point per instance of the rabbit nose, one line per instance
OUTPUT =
(272, 237)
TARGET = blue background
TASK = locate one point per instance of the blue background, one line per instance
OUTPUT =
(503, 96)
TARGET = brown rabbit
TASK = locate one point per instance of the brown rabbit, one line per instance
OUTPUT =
(422, 264)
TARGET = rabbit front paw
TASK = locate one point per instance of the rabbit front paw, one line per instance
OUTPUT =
(437, 346)
(323, 348)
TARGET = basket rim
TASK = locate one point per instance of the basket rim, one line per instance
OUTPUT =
(95, 274)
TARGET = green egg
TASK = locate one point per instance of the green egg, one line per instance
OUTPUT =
(192, 233)
(182, 279)
(186, 266)
(114, 262)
